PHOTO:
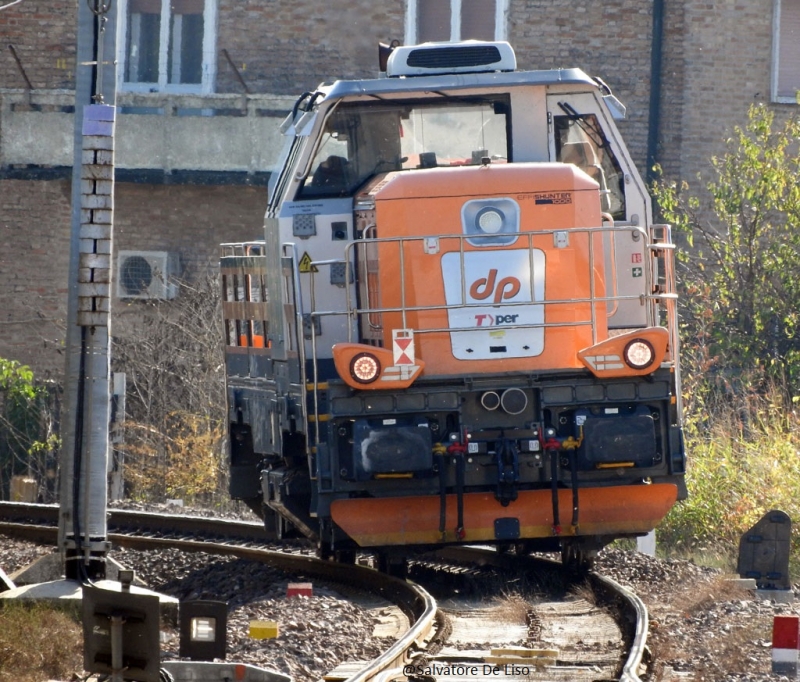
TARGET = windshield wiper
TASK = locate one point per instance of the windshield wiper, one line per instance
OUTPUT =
(591, 129)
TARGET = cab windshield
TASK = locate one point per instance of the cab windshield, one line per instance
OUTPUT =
(361, 141)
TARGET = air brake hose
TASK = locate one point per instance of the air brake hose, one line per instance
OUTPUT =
(571, 445)
(460, 466)
(554, 446)
(573, 465)
(458, 451)
(554, 490)
(439, 457)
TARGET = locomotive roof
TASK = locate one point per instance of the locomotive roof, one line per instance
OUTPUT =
(500, 80)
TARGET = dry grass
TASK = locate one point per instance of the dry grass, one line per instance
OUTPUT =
(734, 652)
(710, 652)
(512, 608)
(584, 591)
(698, 598)
(665, 651)
(38, 643)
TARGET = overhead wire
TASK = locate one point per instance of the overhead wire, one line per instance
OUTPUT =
(10, 4)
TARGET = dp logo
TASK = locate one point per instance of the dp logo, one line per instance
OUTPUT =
(483, 288)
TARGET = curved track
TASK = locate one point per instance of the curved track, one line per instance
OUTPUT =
(142, 530)
(629, 610)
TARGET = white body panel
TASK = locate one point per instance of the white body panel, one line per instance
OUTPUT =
(519, 280)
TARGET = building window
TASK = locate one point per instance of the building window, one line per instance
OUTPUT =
(451, 20)
(786, 51)
(167, 45)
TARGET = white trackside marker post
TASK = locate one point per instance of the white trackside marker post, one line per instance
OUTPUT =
(785, 640)
(647, 544)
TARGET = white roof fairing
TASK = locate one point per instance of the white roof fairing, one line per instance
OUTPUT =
(499, 80)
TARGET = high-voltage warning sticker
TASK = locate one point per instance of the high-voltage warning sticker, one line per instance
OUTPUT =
(305, 264)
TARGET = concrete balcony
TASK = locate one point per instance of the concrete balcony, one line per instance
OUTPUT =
(156, 133)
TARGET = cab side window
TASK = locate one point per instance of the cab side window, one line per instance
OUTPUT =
(580, 141)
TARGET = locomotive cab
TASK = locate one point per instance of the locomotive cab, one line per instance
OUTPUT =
(461, 324)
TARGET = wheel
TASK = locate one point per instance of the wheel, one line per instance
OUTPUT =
(392, 565)
(522, 548)
(325, 551)
(344, 556)
(576, 558)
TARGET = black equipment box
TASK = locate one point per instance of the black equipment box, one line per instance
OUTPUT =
(616, 434)
(388, 446)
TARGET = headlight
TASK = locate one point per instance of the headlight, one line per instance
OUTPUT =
(490, 220)
(639, 354)
(365, 368)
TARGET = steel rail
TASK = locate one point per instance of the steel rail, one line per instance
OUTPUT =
(156, 522)
(413, 600)
(46, 535)
(15, 511)
(634, 620)
(631, 605)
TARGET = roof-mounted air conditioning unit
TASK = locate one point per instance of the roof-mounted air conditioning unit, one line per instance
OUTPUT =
(468, 56)
(147, 274)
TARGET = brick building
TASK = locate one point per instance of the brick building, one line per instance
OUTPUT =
(202, 85)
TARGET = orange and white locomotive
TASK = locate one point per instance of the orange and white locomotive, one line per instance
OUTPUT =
(461, 325)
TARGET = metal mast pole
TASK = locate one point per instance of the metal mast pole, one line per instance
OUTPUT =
(84, 459)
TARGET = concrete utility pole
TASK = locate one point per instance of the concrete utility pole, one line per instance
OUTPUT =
(84, 463)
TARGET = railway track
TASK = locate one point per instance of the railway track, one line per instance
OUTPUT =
(153, 523)
(581, 622)
(432, 647)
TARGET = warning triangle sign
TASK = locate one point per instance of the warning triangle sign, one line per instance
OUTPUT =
(305, 264)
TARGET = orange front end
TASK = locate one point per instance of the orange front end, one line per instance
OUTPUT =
(492, 275)
(415, 520)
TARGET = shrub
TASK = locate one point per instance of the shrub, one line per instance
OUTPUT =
(741, 293)
(174, 436)
(740, 315)
(743, 460)
(183, 461)
(28, 417)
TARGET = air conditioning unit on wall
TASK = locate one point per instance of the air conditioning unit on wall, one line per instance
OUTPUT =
(147, 274)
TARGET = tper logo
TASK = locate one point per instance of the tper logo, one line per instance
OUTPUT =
(487, 320)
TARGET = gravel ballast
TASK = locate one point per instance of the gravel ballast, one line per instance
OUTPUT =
(702, 627)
